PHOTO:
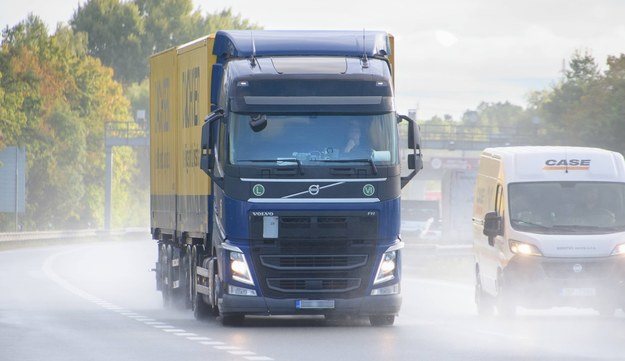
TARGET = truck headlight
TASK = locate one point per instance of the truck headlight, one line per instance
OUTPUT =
(618, 250)
(240, 269)
(524, 249)
(386, 269)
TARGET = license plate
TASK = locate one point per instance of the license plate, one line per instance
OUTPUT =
(578, 292)
(314, 304)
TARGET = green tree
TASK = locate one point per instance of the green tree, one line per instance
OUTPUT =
(115, 30)
(564, 110)
(55, 102)
(124, 34)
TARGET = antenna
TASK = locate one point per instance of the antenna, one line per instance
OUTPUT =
(365, 61)
(253, 59)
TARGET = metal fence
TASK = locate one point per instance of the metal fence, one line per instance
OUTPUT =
(464, 137)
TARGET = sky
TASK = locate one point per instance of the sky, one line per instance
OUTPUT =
(451, 55)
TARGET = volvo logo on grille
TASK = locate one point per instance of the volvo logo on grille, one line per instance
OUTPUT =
(577, 268)
(313, 189)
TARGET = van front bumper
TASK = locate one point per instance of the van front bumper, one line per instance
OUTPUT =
(580, 282)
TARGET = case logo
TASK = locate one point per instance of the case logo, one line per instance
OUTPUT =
(567, 164)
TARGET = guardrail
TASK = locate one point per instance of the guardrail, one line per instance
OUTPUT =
(443, 250)
(17, 237)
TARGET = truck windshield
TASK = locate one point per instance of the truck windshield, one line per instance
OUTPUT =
(567, 207)
(313, 140)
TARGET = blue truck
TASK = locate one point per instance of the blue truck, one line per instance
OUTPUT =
(276, 173)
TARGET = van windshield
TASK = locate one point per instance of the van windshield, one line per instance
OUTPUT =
(567, 207)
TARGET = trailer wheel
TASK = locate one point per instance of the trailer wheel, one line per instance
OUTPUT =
(186, 278)
(382, 320)
(164, 271)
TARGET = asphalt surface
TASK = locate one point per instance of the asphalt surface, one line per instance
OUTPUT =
(97, 301)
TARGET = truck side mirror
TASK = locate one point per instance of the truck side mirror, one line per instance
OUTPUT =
(414, 136)
(415, 159)
(492, 226)
(207, 157)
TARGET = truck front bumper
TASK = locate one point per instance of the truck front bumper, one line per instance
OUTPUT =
(363, 306)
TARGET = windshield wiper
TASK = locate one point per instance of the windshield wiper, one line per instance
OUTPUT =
(526, 223)
(573, 227)
(278, 160)
(361, 160)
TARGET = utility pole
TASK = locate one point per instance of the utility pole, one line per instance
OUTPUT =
(17, 178)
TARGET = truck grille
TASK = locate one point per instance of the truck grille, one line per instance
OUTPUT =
(313, 285)
(316, 254)
(316, 262)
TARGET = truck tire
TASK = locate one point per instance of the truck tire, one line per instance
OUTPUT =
(201, 310)
(232, 320)
(382, 320)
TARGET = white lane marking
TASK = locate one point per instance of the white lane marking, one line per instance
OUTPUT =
(242, 353)
(172, 330)
(49, 272)
(185, 334)
(211, 343)
(199, 338)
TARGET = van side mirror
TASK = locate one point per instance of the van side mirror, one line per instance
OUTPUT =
(492, 226)
(207, 157)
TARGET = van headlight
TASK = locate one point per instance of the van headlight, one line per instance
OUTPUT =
(524, 249)
(618, 250)
(240, 269)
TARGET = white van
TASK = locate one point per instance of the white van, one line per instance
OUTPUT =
(549, 229)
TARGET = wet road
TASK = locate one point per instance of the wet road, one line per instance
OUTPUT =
(96, 301)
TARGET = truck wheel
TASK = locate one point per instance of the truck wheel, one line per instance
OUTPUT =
(382, 320)
(216, 288)
(232, 320)
(201, 309)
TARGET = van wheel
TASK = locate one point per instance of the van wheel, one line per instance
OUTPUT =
(483, 301)
(506, 304)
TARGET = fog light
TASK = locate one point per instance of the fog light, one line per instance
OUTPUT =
(240, 291)
(388, 290)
